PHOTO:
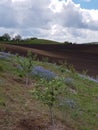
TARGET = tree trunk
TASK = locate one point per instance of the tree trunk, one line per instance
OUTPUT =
(27, 80)
(51, 118)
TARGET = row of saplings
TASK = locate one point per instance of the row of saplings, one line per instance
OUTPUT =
(50, 91)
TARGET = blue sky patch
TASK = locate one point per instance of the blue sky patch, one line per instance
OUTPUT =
(87, 4)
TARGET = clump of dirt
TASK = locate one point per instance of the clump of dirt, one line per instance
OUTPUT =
(19, 80)
(39, 124)
(32, 124)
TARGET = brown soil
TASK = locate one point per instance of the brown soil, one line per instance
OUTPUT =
(39, 124)
(82, 57)
(27, 122)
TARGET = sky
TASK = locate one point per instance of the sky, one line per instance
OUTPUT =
(60, 20)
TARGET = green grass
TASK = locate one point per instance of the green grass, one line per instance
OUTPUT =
(31, 41)
(16, 101)
(40, 41)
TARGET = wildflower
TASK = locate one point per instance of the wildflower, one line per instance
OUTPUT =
(43, 73)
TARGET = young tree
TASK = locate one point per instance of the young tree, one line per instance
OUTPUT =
(48, 93)
(24, 66)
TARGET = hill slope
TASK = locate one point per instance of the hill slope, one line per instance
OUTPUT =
(20, 111)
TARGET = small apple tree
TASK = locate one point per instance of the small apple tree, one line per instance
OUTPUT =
(24, 66)
(48, 93)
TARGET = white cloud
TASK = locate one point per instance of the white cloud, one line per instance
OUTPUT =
(53, 19)
(18, 0)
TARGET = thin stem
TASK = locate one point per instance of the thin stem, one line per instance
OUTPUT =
(27, 80)
(51, 117)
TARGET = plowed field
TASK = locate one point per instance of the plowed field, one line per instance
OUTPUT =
(82, 57)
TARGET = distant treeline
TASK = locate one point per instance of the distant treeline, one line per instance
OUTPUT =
(17, 39)
(7, 37)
